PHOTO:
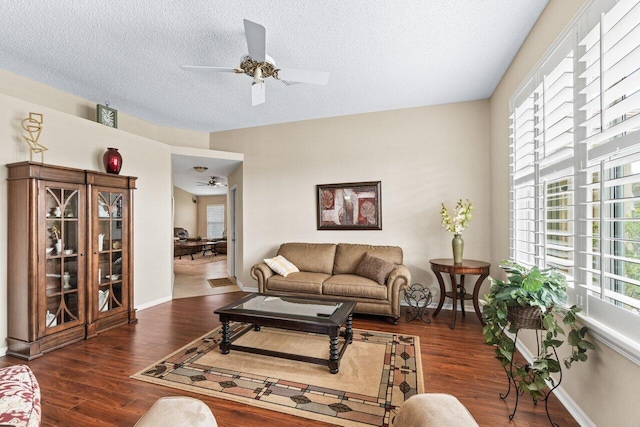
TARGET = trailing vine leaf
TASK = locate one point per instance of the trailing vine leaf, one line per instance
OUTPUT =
(574, 337)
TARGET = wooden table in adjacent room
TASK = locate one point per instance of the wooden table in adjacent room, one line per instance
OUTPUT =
(458, 292)
(187, 248)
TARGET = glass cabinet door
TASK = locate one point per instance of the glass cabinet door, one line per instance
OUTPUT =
(110, 244)
(64, 270)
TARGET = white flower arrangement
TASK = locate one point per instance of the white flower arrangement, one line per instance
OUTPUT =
(460, 219)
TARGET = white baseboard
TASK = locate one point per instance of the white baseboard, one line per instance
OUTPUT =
(3, 351)
(154, 303)
(247, 288)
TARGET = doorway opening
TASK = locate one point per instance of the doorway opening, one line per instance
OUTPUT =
(203, 215)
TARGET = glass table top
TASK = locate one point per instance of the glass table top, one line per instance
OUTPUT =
(289, 306)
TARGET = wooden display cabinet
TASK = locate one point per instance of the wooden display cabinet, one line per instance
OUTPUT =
(61, 287)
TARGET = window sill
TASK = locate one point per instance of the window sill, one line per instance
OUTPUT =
(618, 342)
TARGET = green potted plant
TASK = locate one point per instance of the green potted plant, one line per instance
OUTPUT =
(531, 298)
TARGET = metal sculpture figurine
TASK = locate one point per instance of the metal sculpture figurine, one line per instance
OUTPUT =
(33, 125)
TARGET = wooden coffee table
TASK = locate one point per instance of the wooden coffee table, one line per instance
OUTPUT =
(292, 313)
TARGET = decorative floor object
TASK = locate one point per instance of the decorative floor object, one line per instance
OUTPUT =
(223, 281)
(199, 259)
(378, 372)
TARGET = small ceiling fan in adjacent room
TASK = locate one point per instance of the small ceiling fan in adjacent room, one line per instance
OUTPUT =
(260, 66)
(213, 182)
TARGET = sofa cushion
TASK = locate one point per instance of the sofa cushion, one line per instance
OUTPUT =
(374, 268)
(19, 397)
(312, 257)
(302, 282)
(350, 285)
(281, 265)
(433, 410)
(348, 256)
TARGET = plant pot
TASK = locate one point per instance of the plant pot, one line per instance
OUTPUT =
(526, 317)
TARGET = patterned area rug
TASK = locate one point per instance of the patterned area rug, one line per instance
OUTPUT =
(378, 372)
(224, 281)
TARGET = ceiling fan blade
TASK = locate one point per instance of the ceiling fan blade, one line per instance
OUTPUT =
(256, 40)
(291, 75)
(207, 68)
(258, 94)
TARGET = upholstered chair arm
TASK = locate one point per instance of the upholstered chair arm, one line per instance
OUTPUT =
(261, 272)
(398, 279)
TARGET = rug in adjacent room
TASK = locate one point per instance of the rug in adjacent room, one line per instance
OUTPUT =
(223, 281)
(378, 372)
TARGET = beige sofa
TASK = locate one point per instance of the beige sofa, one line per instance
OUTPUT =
(328, 270)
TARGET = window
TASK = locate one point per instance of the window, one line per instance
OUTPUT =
(575, 165)
(215, 221)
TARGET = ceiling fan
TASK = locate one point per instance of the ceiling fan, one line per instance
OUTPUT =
(260, 66)
(213, 182)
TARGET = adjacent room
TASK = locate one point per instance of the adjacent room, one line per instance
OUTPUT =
(200, 213)
(353, 213)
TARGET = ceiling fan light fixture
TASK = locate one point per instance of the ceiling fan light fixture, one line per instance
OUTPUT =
(260, 66)
(200, 168)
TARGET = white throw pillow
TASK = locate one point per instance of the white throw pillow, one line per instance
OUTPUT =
(281, 265)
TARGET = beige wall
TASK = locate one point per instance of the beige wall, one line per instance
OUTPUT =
(185, 211)
(423, 156)
(29, 90)
(602, 387)
(203, 201)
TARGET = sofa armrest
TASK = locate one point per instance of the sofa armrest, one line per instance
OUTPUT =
(398, 279)
(261, 272)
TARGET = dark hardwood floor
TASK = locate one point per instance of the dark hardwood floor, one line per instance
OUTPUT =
(87, 383)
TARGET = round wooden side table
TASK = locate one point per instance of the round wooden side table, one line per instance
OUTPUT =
(458, 292)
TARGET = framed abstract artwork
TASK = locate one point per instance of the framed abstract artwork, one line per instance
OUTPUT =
(350, 206)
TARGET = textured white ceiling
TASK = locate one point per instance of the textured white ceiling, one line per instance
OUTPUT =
(188, 179)
(382, 55)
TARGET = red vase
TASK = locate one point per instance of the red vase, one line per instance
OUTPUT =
(112, 161)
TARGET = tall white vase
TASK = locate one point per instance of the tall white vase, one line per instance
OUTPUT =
(58, 246)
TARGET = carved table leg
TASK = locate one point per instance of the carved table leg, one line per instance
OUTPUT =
(462, 293)
(226, 338)
(334, 363)
(349, 329)
(476, 291)
(454, 296)
(442, 291)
